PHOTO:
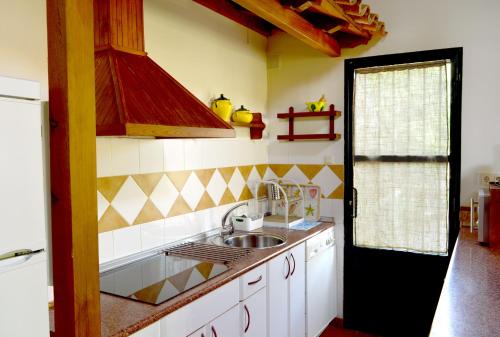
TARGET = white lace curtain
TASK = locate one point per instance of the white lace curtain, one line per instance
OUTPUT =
(401, 148)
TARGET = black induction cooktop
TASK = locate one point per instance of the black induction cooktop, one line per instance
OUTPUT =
(158, 278)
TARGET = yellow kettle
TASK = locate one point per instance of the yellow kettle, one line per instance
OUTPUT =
(242, 115)
(222, 107)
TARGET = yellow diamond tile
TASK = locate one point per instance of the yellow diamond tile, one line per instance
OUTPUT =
(148, 213)
(245, 171)
(227, 198)
(205, 268)
(246, 194)
(179, 207)
(262, 192)
(338, 170)
(147, 182)
(338, 193)
(205, 202)
(111, 220)
(310, 171)
(280, 169)
(150, 294)
(227, 173)
(178, 178)
(261, 169)
(180, 280)
(205, 176)
(109, 186)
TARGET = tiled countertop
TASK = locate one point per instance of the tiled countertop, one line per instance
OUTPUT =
(469, 305)
(122, 317)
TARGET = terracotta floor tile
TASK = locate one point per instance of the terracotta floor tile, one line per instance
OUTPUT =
(339, 332)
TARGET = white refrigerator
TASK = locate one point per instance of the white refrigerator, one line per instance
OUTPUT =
(23, 241)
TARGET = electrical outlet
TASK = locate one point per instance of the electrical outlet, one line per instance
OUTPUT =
(484, 179)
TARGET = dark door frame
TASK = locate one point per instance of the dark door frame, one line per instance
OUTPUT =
(455, 56)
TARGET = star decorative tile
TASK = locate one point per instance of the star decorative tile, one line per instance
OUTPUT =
(164, 195)
(129, 200)
(192, 191)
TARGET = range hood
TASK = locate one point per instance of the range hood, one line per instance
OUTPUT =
(134, 95)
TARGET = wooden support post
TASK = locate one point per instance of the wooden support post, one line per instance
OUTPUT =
(73, 168)
(333, 136)
(290, 123)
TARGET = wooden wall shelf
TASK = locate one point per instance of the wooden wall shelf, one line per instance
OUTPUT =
(291, 115)
(256, 126)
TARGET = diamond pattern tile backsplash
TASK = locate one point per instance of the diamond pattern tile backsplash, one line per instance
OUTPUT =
(142, 198)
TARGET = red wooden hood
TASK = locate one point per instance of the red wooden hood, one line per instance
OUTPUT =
(134, 95)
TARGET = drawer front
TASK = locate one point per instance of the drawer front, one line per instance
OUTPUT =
(198, 313)
(253, 281)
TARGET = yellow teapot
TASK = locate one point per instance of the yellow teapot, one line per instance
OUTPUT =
(242, 115)
(222, 107)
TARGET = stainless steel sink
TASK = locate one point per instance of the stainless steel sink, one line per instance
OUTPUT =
(254, 240)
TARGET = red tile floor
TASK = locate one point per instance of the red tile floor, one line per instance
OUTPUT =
(332, 331)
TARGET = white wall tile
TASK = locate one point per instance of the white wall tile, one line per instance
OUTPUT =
(173, 155)
(102, 205)
(175, 229)
(103, 157)
(213, 152)
(106, 247)
(193, 154)
(150, 155)
(326, 207)
(125, 156)
(127, 241)
(152, 234)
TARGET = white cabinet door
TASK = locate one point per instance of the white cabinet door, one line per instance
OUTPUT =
(278, 272)
(22, 203)
(152, 330)
(254, 315)
(298, 291)
(226, 325)
(321, 292)
(23, 297)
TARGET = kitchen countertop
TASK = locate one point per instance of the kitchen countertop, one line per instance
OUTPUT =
(470, 300)
(121, 317)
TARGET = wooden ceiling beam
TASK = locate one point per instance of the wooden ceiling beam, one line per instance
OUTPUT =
(292, 23)
(243, 17)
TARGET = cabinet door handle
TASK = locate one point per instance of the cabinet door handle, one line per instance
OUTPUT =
(248, 316)
(256, 281)
(214, 332)
(288, 272)
(293, 270)
(355, 202)
(202, 334)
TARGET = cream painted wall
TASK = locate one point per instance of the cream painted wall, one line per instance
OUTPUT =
(304, 74)
(23, 41)
(206, 52)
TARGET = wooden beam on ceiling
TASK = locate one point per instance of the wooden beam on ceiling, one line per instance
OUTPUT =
(73, 168)
(230, 10)
(292, 23)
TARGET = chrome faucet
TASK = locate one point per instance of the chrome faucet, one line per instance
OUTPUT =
(228, 229)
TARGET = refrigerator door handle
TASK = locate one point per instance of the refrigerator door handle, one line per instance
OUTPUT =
(17, 257)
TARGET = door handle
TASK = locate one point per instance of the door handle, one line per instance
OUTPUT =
(288, 263)
(355, 203)
(256, 281)
(214, 332)
(248, 316)
(17, 257)
(293, 270)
